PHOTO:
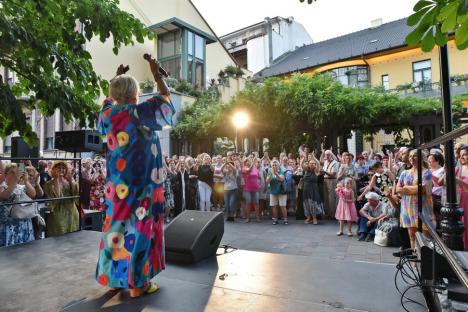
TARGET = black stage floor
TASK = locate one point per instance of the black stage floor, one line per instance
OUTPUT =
(57, 274)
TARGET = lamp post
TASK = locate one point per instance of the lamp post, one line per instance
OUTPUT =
(240, 120)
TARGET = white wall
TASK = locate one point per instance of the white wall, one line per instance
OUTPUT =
(257, 54)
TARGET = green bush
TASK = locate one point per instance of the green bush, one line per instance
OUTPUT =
(183, 87)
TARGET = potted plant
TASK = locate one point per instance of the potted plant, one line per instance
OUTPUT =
(171, 82)
(230, 70)
(147, 86)
(239, 72)
(184, 87)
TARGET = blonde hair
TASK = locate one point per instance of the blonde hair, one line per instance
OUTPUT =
(123, 88)
(8, 167)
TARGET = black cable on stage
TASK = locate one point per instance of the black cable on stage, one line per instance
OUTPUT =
(411, 276)
(227, 249)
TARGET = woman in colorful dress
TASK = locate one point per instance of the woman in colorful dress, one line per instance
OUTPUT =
(14, 231)
(96, 195)
(131, 250)
(461, 175)
(408, 189)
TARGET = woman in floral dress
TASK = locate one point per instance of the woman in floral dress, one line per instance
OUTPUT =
(131, 250)
(96, 195)
(408, 189)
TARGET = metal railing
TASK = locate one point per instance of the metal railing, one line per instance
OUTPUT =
(451, 257)
(50, 199)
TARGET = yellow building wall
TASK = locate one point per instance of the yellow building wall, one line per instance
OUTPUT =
(399, 66)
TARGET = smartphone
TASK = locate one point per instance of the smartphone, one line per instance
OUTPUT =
(21, 167)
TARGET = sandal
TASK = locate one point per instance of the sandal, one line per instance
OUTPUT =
(152, 288)
(350, 234)
(339, 233)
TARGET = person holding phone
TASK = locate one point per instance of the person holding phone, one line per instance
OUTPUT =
(63, 217)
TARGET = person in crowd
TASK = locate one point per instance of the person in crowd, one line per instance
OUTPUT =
(436, 166)
(347, 170)
(264, 195)
(34, 181)
(131, 250)
(181, 188)
(230, 174)
(371, 213)
(168, 189)
(63, 217)
(85, 183)
(329, 171)
(218, 187)
(367, 160)
(381, 181)
(407, 188)
(15, 231)
(346, 210)
(462, 188)
(43, 172)
(205, 183)
(360, 168)
(277, 198)
(97, 189)
(288, 166)
(251, 178)
(311, 199)
(193, 201)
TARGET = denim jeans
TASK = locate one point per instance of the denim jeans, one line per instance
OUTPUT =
(230, 199)
(363, 228)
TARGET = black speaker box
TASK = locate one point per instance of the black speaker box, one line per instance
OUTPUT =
(78, 141)
(193, 236)
(20, 149)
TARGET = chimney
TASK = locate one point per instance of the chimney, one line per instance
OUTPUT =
(376, 23)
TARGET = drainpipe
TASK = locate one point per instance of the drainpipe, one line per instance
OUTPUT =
(269, 31)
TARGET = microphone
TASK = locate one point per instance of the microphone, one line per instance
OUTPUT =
(147, 57)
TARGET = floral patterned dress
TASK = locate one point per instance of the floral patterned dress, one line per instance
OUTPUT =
(409, 203)
(96, 195)
(131, 250)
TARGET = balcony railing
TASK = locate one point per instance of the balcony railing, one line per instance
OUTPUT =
(431, 90)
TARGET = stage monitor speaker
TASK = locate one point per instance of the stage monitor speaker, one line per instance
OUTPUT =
(20, 149)
(193, 236)
(78, 141)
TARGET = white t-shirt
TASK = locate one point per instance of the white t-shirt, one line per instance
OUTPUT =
(438, 190)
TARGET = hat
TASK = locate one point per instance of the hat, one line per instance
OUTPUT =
(360, 157)
(59, 162)
(372, 195)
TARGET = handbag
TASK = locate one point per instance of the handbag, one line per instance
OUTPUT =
(23, 211)
(381, 235)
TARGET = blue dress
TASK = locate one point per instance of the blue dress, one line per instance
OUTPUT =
(14, 231)
(131, 250)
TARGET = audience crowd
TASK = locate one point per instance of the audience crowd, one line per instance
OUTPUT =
(376, 191)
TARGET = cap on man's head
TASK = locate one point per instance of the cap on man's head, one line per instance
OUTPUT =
(373, 195)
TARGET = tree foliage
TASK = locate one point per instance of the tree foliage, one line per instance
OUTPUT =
(40, 42)
(305, 105)
(434, 21)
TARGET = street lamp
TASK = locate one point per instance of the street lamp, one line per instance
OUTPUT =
(240, 121)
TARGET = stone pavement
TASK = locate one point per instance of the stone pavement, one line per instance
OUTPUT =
(297, 238)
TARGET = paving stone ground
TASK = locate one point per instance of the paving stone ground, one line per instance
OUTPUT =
(298, 238)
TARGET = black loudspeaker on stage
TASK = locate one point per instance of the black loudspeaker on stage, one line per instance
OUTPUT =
(193, 236)
(78, 141)
(20, 149)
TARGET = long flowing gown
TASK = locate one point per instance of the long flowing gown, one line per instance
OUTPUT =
(131, 250)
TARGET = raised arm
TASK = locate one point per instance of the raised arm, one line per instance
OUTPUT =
(162, 87)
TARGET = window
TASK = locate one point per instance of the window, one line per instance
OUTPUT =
(7, 149)
(49, 143)
(182, 54)
(169, 52)
(352, 76)
(422, 74)
(195, 59)
(385, 82)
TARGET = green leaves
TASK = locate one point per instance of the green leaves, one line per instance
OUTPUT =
(435, 20)
(43, 44)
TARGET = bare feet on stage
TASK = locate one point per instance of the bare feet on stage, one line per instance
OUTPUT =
(137, 292)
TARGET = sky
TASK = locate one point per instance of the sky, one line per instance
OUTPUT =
(323, 19)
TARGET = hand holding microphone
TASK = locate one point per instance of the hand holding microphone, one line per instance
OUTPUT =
(155, 68)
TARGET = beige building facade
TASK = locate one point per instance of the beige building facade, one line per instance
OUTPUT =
(185, 45)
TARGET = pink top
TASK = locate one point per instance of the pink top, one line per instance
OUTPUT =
(251, 180)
